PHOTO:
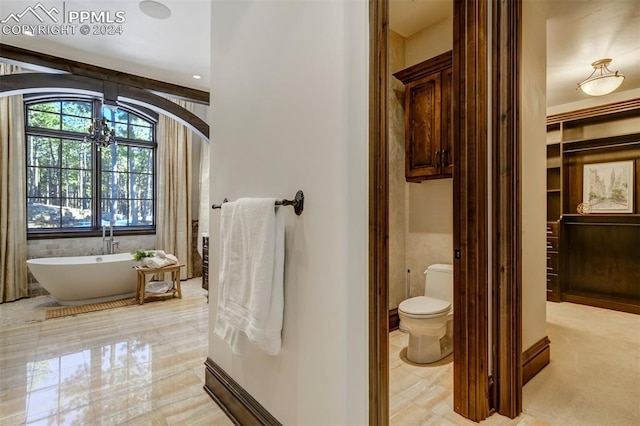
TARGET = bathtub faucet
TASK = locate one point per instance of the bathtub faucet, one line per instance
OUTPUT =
(111, 242)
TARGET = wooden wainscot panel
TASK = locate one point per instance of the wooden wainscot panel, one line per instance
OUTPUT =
(394, 319)
(535, 359)
(236, 402)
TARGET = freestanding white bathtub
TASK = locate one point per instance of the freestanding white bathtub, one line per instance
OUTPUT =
(86, 279)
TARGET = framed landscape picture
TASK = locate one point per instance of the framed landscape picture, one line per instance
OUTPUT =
(608, 187)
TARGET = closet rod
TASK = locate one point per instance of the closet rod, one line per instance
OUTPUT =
(297, 203)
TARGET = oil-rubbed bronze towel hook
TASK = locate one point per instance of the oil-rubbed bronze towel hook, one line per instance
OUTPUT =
(297, 203)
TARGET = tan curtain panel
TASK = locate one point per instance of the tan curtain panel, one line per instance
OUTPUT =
(205, 207)
(173, 219)
(13, 232)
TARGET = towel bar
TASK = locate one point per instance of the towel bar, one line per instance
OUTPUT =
(297, 203)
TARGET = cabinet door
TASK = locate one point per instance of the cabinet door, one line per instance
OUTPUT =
(446, 141)
(422, 126)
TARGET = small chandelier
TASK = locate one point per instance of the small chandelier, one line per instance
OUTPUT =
(100, 133)
(602, 80)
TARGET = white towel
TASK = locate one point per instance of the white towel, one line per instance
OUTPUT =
(159, 261)
(251, 281)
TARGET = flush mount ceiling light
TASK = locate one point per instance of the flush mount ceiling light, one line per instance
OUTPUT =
(602, 80)
(154, 9)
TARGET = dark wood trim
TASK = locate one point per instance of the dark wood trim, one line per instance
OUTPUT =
(425, 68)
(618, 107)
(601, 301)
(99, 73)
(42, 82)
(394, 319)
(506, 240)
(470, 210)
(472, 380)
(236, 402)
(378, 216)
(535, 359)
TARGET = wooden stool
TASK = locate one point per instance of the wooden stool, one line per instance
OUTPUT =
(142, 282)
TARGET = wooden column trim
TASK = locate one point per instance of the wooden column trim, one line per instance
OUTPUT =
(507, 258)
(470, 194)
(378, 216)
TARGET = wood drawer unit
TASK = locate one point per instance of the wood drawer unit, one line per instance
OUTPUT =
(553, 286)
(205, 263)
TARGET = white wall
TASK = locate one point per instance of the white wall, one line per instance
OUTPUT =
(533, 133)
(398, 188)
(289, 102)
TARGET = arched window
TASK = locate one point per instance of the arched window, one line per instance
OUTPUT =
(77, 185)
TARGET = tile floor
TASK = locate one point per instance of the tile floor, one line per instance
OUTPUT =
(132, 365)
(143, 365)
(593, 377)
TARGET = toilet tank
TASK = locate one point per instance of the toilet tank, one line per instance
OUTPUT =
(438, 282)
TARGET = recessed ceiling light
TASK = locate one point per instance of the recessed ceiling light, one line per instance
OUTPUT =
(155, 9)
(197, 77)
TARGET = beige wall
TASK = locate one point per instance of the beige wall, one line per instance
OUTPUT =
(289, 111)
(429, 42)
(533, 133)
(398, 190)
(420, 214)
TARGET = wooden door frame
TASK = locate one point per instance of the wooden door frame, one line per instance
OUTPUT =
(477, 391)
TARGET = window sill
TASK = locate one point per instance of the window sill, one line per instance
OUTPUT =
(58, 233)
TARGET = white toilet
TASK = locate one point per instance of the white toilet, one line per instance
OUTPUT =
(429, 318)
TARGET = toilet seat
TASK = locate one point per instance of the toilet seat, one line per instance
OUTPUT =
(424, 307)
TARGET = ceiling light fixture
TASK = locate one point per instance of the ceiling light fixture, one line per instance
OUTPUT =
(100, 133)
(602, 80)
(154, 9)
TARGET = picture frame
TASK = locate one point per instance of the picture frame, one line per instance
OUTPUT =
(608, 187)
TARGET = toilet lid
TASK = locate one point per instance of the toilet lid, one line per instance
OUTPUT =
(423, 305)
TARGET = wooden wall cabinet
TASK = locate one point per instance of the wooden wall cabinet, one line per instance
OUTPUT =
(428, 112)
(593, 257)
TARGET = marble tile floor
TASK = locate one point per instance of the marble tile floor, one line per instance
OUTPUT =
(143, 365)
(137, 365)
(593, 377)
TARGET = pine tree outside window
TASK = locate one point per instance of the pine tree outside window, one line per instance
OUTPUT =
(75, 186)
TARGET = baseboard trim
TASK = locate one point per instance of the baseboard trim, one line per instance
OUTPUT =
(535, 359)
(394, 319)
(236, 402)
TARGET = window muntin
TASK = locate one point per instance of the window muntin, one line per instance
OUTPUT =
(75, 185)
(127, 185)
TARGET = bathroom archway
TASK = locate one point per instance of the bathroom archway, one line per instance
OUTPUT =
(487, 374)
(26, 83)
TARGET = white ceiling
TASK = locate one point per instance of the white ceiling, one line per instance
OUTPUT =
(172, 50)
(579, 32)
